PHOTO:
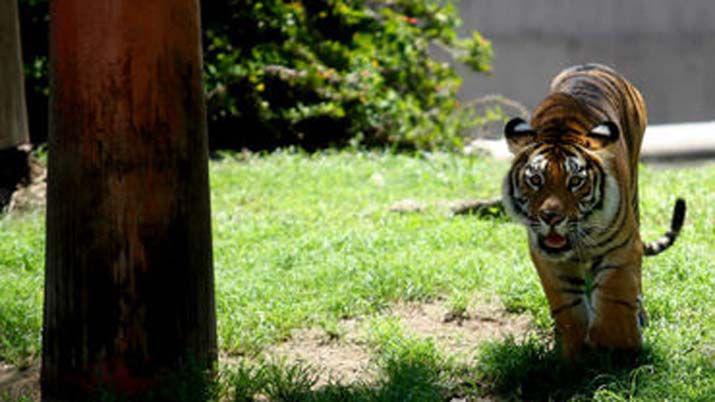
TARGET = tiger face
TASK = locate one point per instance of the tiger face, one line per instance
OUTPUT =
(563, 192)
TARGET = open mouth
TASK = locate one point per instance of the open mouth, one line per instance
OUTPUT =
(554, 243)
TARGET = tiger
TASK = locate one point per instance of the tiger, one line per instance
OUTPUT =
(573, 182)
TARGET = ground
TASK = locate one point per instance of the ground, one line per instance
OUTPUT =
(324, 293)
(346, 359)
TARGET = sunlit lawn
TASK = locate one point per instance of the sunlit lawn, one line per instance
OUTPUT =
(307, 240)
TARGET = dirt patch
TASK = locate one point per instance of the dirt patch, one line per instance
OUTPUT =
(460, 334)
(347, 359)
(16, 384)
(341, 361)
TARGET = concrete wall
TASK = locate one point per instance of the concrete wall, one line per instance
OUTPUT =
(665, 47)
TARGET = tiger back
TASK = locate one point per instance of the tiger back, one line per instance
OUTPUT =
(574, 184)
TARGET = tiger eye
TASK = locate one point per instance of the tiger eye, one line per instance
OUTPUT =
(535, 180)
(575, 182)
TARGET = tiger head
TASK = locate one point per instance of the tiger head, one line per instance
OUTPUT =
(561, 183)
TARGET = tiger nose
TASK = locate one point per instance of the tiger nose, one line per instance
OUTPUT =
(551, 217)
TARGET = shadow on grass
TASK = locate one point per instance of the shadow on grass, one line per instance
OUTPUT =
(407, 368)
(506, 370)
(532, 370)
(408, 375)
(413, 370)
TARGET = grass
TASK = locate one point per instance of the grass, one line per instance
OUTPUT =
(307, 240)
(409, 369)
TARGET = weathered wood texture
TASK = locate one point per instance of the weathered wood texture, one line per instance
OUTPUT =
(129, 293)
(13, 114)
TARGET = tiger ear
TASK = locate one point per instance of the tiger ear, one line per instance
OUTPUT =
(605, 133)
(518, 134)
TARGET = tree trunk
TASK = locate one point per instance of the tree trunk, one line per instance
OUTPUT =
(129, 293)
(14, 167)
(13, 114)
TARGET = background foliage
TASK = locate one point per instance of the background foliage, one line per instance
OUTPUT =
(315, 73)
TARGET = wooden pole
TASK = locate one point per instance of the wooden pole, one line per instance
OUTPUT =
(14, 136)
(129, 292)
(13, 113)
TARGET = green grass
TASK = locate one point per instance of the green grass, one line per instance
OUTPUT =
(307, 240)
(409, 369)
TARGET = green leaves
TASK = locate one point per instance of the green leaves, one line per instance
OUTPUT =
(326, 72)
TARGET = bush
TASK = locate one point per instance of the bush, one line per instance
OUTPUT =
(325, 72)
(314, 72)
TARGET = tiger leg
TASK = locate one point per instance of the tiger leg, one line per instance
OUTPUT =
(565, 293)
(618, 317)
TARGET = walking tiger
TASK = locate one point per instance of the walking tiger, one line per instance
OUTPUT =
(574, 184)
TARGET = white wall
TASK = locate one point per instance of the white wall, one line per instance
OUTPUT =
(665, 47)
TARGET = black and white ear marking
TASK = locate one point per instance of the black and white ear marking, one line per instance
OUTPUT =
(606, 133)
(602, 130)
(517, 126)
(518, 133)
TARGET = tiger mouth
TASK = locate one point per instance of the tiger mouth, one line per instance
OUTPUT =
(554, 243)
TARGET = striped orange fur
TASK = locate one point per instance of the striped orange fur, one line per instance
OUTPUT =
(574, 184)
